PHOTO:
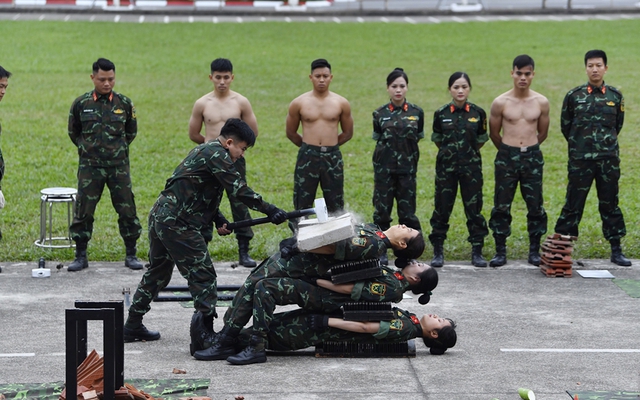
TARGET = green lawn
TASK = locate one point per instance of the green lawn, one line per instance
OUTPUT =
(164, 69)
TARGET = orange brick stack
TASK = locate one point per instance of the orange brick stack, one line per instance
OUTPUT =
(556, 255)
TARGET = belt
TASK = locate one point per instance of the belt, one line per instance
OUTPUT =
(323, 149)
(522, 149)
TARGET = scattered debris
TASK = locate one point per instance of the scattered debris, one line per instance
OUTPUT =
(179, 371)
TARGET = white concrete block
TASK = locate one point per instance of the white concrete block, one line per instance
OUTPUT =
(313, 234)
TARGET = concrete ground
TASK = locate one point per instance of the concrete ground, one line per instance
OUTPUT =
(516, 328)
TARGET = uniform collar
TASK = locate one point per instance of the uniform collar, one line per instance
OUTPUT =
(453, 107)
(384, 238)
(97, 96)
(591, 88)
(405, 106)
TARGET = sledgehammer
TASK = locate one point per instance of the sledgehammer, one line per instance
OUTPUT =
(319, 209)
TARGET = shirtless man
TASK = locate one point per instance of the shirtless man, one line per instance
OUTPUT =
(319, 159)
(523, 117)
(213, 110)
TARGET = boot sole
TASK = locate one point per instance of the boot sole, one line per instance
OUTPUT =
(217, 357)
(256, 360)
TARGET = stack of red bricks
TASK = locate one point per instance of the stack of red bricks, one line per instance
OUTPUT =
(556, 255)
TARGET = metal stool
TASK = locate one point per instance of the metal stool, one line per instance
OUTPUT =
(49, 197)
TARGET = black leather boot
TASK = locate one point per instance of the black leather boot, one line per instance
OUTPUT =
(438, 255)
(131, 260)
(534, 252)
(252, 354)
(476, 256)
(223, 347)
(500, 258)
(616, 254)
(243, 250)
(134, 330)
(201, 331)
(81, 261)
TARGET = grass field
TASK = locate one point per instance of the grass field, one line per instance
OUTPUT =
(164, 69)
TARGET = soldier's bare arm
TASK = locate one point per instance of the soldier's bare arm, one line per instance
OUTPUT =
(543, 121)
(248, 116)
(354, 326)
(346, 123)
(195, 122)
(293, 122)
(495, 121)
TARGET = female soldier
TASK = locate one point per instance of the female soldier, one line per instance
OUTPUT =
(397, 128)
(459, 131)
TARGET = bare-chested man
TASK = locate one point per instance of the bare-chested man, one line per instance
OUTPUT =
(213, 110)
(523, 117)
(321, 113)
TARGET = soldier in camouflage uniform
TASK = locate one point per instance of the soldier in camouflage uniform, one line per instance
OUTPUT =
(102, 125)
(591, 120)
(368, 243)
(180, 221)
(319, 159)
(523, 116)
(459, 131)
(4, 83)
(299, 329)
(398, 126)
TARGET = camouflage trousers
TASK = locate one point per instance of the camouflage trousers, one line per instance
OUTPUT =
(582, 173)
(239, 211)
(513, 166)
(319, 165)
(91, 183)
(401, 188)
(469, 177)
(303, 264)
(187, 249)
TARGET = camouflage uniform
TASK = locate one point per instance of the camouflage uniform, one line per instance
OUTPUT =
(319, 165)
(368, 243)
(291, 330)
(458, 132)
(271, 292)
(180, 220)
(515, 165)
(239, 211)
(591, 121)
(397, 131)
(103, 127)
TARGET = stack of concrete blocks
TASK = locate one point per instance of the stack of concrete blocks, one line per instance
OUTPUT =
(313, 234)
(555, 259)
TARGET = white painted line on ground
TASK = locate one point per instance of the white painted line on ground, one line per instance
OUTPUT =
(458, 19)
(410, 20)
(17, 354)
(360, 19)
(215, 20)
(336, 20)
(571, 350)
(15, 17)
(191, 19)
(311, 19)
(262, 19)
(434, 20)
(534, 19)
(141, 19)
(116, 18)
(604, 17)
(555, 18)
(287, 19)
(481, 19)
(503, 18)
(93, 17)
(66, 17)
(166, 19)
(384, 19)
(239, 20)
(41, 18)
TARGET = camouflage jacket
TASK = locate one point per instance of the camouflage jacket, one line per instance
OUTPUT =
(192, 195)
(591, 120)
(404, 326)
(397, 131)
(390, 286)
(102, 127)
(459, 131)
(367, 243)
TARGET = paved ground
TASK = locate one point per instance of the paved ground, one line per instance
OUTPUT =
(516, 328)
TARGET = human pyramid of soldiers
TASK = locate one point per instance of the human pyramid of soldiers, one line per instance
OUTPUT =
(102, 124)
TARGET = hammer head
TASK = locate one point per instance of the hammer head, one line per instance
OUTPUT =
(320, 208)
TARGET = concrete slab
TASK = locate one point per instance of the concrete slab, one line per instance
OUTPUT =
(313, 234)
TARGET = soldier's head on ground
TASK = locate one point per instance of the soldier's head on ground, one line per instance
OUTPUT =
(407, 243)
(438, 334)
(421, 277)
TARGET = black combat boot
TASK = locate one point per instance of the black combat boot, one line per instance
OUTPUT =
(243, 250)
(476, 256)
(500, 258)
(223, 347)
(534, 252)
(201, 331)
(131, 260)
(616, 254)
(438, 255)
(81, 261)
(134, 330)
(252, 354)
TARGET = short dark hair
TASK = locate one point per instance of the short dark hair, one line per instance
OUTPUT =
(104, 65)
(428, 282)
(522, 61)
(4, 73)
(395, 74)
(457, 75)
(237, 129)
(595, 54)
(415, 248)
(320, 63)
(221, 65)
(447, 338)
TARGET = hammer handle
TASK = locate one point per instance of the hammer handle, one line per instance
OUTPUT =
(264, 220)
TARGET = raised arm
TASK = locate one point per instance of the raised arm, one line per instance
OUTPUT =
(293, 122)
(195, 123)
